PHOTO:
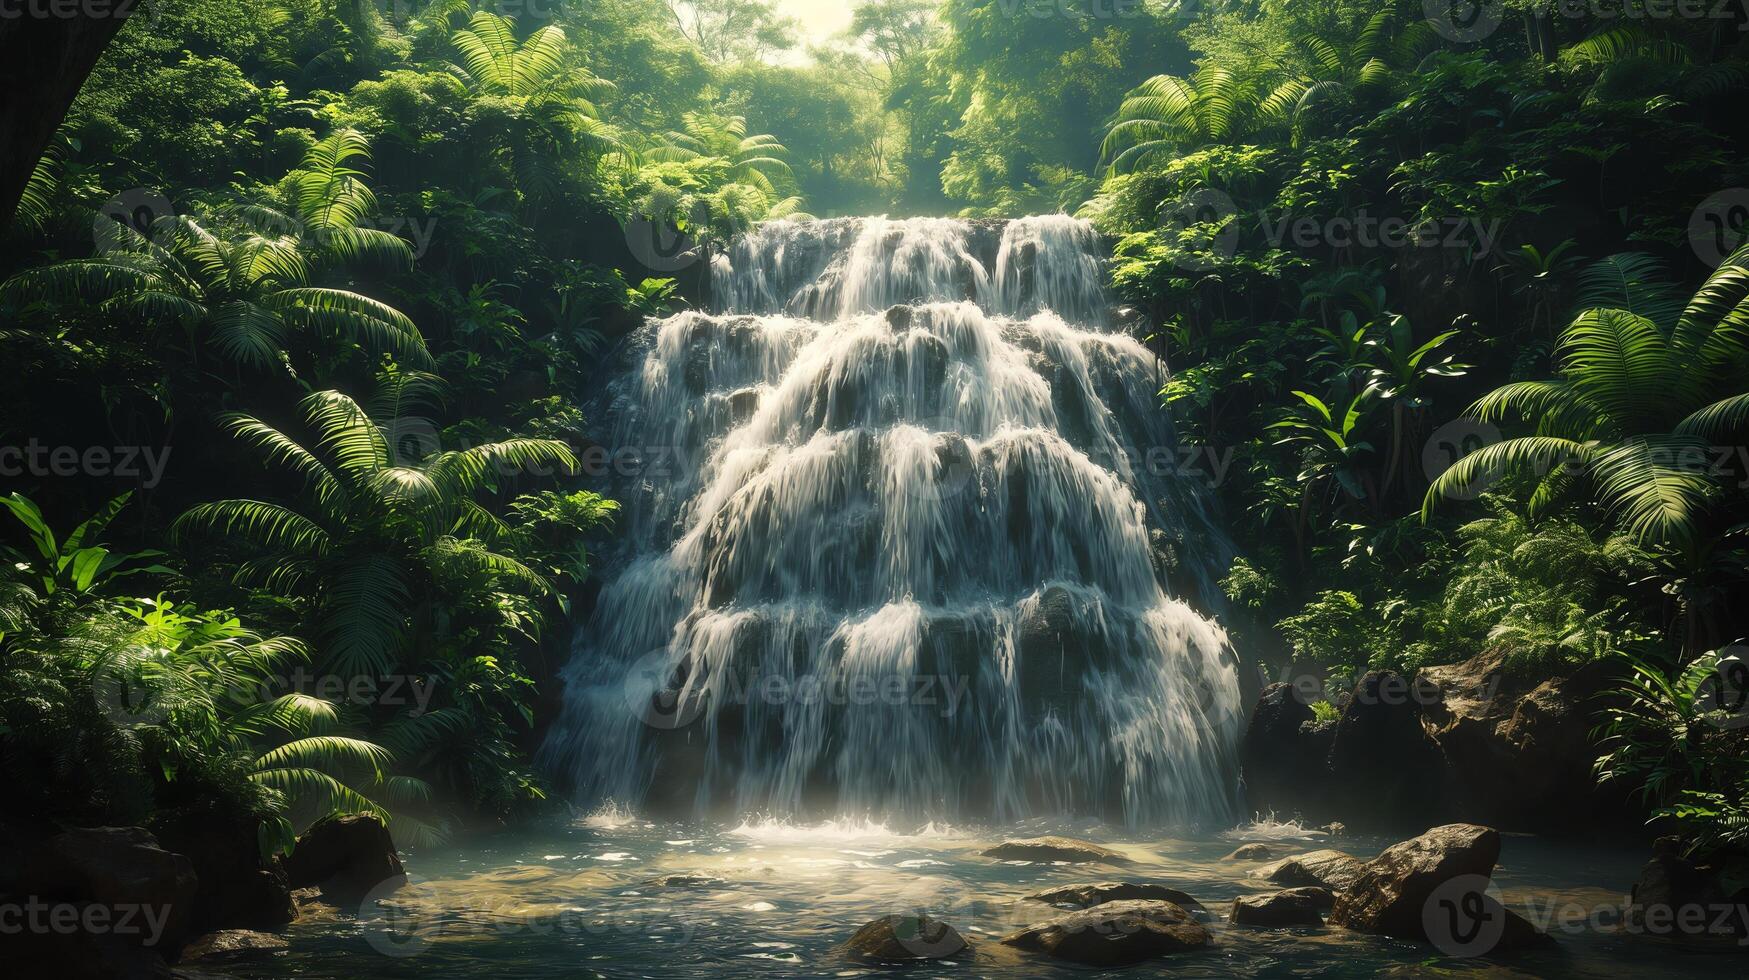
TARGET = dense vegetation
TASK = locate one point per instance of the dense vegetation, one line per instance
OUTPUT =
(1468, 306)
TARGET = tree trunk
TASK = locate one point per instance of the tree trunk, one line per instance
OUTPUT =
(44, 60)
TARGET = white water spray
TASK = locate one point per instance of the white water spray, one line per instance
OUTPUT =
(899, 526)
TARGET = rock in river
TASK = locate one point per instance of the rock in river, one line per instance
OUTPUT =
(1054, 849)
(231, 944)
(1292, 907)
(904, 938)
(1327, 869)
(1435, 888)
(1087, 896)
(1114, 934)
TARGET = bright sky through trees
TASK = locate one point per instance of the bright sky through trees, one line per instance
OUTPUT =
(819, 19)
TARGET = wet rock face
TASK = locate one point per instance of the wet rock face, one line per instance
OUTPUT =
(1435, 888)
(905, 938)
(1325, 869)
(134, 902)
(688, 881)
(119, 867)
(1680, 898)
(347, 857)
(1292, 907)
(1466, 742)
(1115, 934)
(232, 944)
(1381, 755)
(907, 488)
(1517, 751)
(1088, 896)
(1280, 765)
(1054, 849)
(1251, 852)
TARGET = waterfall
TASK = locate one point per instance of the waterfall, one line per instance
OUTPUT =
(902, 526)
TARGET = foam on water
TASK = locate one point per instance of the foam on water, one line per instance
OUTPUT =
(898, 544)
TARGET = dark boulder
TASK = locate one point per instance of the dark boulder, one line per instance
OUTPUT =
(238, 890)
(113, 903)
(1436, 888)
(688, 881)
(1517, 750)
(1054, 849)
(1115, 934)
(1280, 762)
(1087, 896)
(232, 944)
(905, 938)
(1251, 852)
(1381, 754)
(1323, 869)
(347, 857)
(121, 868)
(1283, 909)
(1676, 897)
(1473, 742)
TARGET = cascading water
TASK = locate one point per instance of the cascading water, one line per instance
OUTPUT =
(898, 525)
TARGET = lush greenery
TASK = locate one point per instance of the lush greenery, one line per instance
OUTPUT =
(1511, 425)
(1456, 305)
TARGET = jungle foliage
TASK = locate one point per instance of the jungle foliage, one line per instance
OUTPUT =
(1471, 311)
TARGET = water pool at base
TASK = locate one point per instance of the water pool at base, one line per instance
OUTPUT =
(772, 899)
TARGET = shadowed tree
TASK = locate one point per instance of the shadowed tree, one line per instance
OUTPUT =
(43, 63)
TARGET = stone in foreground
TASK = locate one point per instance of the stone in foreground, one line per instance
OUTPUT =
(688, 881)
(904, 939)
(1292, 907)
(1087, 896)
(1054, 849)
(1115, 934)
(347, 857)
(1325, 869)
(230, 944)
(1434, 888)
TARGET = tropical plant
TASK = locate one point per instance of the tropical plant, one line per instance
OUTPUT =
(376, 527)
(1675, 739)
(244, 297)
(213, 688)
(1637, 404)
(757, 160)
(1400, 377)
(1329, 432)
(1542, 276)
(78, 564)
(1344, 69)
(539, 106)
(1166, 114)
(327, 202)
